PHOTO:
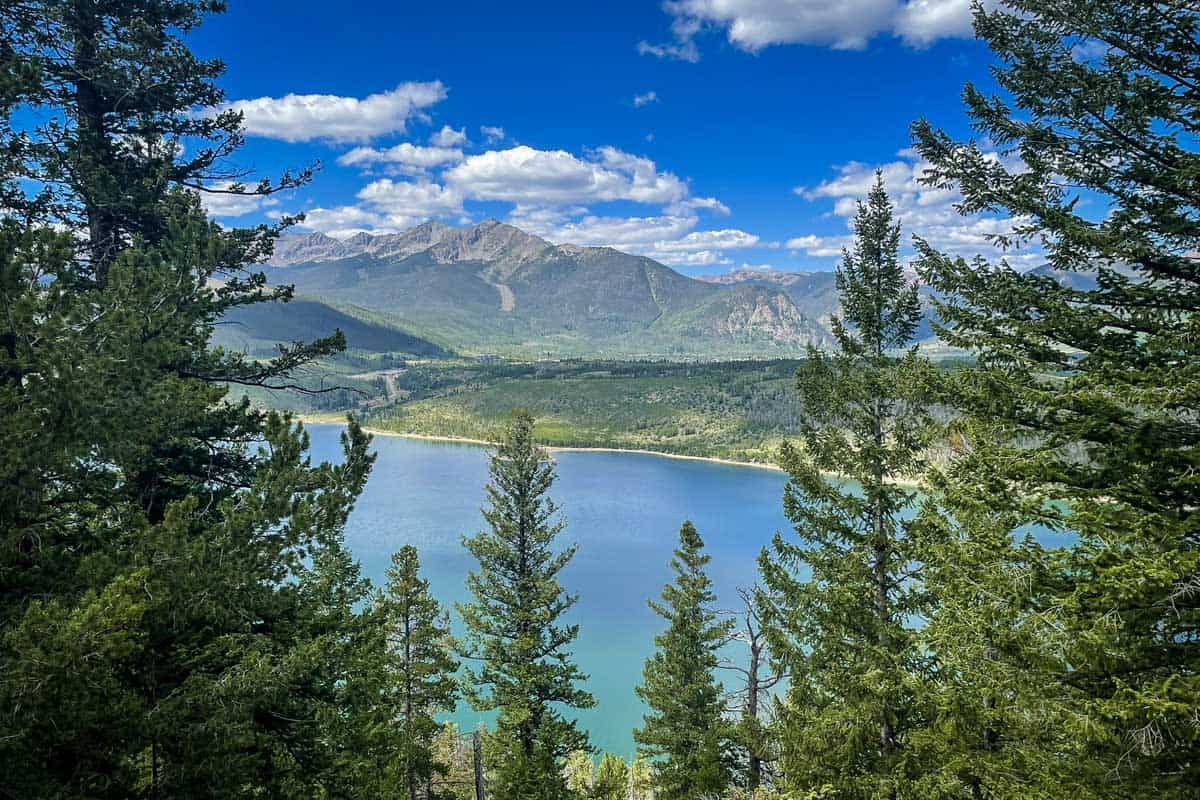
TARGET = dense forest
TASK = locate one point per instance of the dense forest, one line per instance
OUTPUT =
(740, 409)
(179, 617)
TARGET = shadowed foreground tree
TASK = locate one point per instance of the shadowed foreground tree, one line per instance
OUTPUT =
(1083, 403)
(166, 603)
(515, 637)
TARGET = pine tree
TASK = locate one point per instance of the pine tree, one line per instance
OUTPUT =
(451, 750)
(160, 547)
(340, 666)
(421, 664)
(843, 630)
(999, 726)
(1083, 401)
(684, 733)
(514, 627)
(641, 779)
(125, 86)
(611, 781)
(578, 773)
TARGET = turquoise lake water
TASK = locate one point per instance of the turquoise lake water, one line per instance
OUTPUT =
(624, 510)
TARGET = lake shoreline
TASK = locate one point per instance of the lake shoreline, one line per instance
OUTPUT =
(428, 437)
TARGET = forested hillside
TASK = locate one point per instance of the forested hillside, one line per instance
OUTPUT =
(258, 329)
(734, 410)
(492, 288)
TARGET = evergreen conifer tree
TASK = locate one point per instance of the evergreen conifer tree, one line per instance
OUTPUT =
(1083, 403)
(998, 725)
(161, 548)
(515, 631)
(841, 596)
(125, 88)
(611, 781)
(421, 666)
(684, 734)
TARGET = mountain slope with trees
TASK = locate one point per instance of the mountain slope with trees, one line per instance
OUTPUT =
(494, 288)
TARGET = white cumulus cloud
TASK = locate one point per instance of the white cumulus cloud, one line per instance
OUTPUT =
(419, 200)
(523, 174)
(724, 239)
(920, 22)
(843, 24)
(646, 99)
(691, 204)
(308, 117)
(669, 238)
(631, 234)
(407, 156)
(220, 203)
(492, 133)
(344, 221)
(818, 246)
(684, 28)
(680, 51)
(387, 206)
(927, 212)
(448, 137)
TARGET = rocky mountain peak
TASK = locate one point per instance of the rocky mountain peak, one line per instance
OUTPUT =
(490, 241)
(295, 248)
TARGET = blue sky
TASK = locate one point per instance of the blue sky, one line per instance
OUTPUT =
(709, 134)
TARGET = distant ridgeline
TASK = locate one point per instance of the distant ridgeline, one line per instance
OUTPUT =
(491, 294)
(492, 288)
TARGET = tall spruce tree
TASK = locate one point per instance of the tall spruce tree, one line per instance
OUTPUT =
(684, 733)
(514, 625)
(840, 598)
(159, 546)
(999, 727)
(421, 665)
(342, 661)
(1088, 379)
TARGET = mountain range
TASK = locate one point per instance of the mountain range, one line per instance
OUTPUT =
(492, 288)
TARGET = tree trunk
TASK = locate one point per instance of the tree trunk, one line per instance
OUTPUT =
(92, 146)
(477, 743)
(409, 777)
(887, 734)
(528, 726)
(754, 777)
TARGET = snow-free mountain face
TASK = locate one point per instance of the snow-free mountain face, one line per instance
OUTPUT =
(492, 287)
(315, 247)
(814, 293)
